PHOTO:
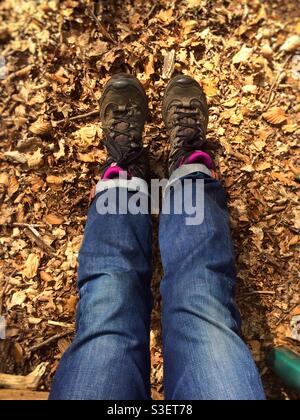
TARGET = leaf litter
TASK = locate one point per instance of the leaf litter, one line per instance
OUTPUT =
(55, 57)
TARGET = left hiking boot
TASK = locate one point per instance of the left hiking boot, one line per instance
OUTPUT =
(185, 113)
(123, 113)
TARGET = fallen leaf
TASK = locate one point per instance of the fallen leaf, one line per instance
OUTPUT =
(258, 236)
(56, 180)
(169, 63)
(247, 168)
(87, 136)
(36, 159)
(4, 180)
(282, 178)
(243, 55)
(291, 44)
(165, 16)
(267, 51)
(210, 87)
(31, 266)
(95, 156)
(16, 156)
(17, 299)
(249, 89)
(46, 277)
(191, 4)
(236, 119)
(70, 305)
(263, 166)
(13, 186)
(290, 128)
(52, 219)
(149, 67)
(275, 116)
(41, 127)
(34, 321)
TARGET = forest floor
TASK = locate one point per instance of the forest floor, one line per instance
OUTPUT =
(55, 57)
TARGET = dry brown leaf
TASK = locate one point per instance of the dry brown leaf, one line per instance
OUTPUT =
(210, 87)
(236, 119)
(249, 89)
(259, 144)
(169, 63)
(16, 156)
(52, 219)
(87, 136)
(34, 321)
(267, 51)
(36, 159)
(290, 128)
(18, 298)
(263, 166)
(46, 277)
(165, 16)
(56, 180)
(31, 266)
(264, 133)
(149, 67)
(188, 26)
(282, 178)
(291, 44)
(230, 103)
(247, 168)
(95, 156)
(4, 180)
(71, 303)
(275, 116)
(191, 4)
(41, 127)
(13, 186)
(243, 55)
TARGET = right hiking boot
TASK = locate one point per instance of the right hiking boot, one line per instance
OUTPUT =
(185, 114)
(123, 113)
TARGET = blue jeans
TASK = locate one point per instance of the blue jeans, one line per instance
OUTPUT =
(205, 357)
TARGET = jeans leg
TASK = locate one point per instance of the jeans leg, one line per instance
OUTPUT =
(109, 358)
(205, 357)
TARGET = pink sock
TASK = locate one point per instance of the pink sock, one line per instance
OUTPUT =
(112, 172)
(200, 157)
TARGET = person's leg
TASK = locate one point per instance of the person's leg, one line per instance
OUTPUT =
(204, 355)
(109, 358)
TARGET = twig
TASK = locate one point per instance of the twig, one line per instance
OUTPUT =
(274, 84)
(50, 341)
(261, 292)
(284, 317)
(61, 324)
(29, 382)
(20, 73)
(22, 225)
(103, 30)
(148, 16)
(77, 117)
(34, 235)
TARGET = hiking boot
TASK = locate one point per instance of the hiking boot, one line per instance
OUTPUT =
(123, 113)
(185, 113)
